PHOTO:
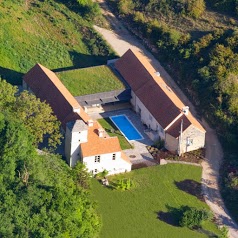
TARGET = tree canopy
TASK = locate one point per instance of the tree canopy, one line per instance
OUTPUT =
(40, 195)
(37, 116)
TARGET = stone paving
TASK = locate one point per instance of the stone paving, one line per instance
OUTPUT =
(139, 153)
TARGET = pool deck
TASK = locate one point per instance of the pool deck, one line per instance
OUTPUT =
(139, 154)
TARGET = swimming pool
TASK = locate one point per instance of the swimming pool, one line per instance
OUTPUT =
(126, 127)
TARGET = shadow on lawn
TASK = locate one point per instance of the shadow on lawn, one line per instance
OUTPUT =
(174, 215)
(191, 187)
(11, 76)
(82, 61)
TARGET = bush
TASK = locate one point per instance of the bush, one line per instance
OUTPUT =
(192, 217)
(159, 144)
(124, 184)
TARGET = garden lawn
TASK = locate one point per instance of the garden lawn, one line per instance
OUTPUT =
(90, 80)
(112, 130)
(49, 33)
(134, 213)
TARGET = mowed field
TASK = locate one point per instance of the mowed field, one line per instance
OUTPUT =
(49, 33)
(148, 209)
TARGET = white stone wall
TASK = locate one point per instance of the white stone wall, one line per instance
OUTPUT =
(146, 116)
(72, 145)
(107, 163)
(192, 139)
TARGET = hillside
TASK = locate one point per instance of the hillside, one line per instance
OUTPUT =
(57, 34)
(197, 42)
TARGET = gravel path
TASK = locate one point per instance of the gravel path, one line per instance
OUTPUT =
(121, 40)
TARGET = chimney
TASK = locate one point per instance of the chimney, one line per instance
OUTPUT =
(185, 110)
(100, 132)
(157, 73)
(90, 123)
(76, 110)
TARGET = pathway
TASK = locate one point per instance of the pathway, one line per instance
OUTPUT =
(121, 40)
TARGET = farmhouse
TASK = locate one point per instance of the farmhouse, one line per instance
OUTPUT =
(164, 114)
(136, 81)
(85, 139)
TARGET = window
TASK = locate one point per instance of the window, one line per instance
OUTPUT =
(97, 159)
(189, 141)
(113, 156)
(95, 171)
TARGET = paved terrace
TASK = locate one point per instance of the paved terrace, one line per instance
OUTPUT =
(139, 154)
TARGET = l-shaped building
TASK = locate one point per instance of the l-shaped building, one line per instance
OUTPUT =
(163, 113)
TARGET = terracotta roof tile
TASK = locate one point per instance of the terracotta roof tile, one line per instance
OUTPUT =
(151, 89)
(46, 86)
(99, 145)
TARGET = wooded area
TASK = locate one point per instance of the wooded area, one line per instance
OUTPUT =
(40, 195)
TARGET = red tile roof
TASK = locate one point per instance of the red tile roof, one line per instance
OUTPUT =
(99, 145)
(46, 86)
(151, 89)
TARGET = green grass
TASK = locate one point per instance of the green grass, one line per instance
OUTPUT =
(48, 33)
(90, 80)
(112, 130)
(134, 213)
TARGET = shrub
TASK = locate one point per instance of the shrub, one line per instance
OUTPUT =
(159, 144)
(224, 232)
(102, 174)
(124, 184)
(192, 217)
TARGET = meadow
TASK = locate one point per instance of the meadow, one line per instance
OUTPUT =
(46, 32)
(149, 209)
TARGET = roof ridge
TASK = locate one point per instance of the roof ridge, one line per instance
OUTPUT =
(59, 85)
(168, 91)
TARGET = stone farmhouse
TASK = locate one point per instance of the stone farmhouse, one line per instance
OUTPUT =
(85, 139)
(161, 111)
(164, 114)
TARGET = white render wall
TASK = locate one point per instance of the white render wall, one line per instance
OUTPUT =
(106, 163)
(146, 116)
(72, 145)
(196, 135)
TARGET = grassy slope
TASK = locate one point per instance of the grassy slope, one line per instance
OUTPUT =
(90, 80)
(108, 125)
(48, 33)
(134, 213)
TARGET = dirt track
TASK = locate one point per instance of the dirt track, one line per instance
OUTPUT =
(121, 40)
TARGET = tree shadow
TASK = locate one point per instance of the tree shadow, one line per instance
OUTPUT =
(11, 76)
(191, 187)
(172, 216)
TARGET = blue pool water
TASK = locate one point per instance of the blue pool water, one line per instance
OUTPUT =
(126, 127)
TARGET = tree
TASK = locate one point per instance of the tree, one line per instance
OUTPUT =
(195, 8)
(37, 116)
(193, 217)
(50, 203)
(7, 95)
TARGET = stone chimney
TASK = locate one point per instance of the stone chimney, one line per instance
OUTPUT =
(100, 132)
